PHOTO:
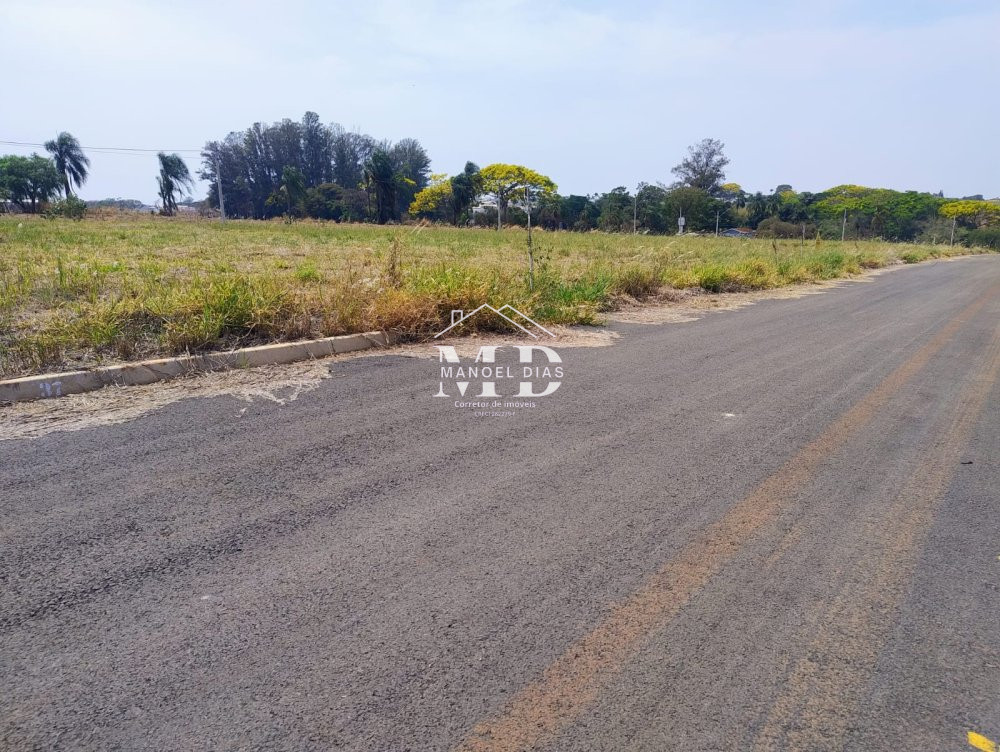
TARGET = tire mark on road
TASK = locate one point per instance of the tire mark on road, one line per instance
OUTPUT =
(571, 683)
(821, 695)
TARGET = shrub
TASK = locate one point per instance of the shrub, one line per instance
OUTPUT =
(984, 237)
(486, 217)
(913, 257)
(70, 208)
(325, 201)
(637, 282)
(756, 274)
(772, 227)
(715, 278)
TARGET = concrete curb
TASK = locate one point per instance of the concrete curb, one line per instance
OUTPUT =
(49, 385)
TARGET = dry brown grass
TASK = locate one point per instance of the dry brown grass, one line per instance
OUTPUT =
(120, 286)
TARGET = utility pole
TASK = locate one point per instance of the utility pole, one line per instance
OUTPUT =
(843, 229)
(716, 224)
(218, 183)
(953, 221)
(531, 251)
(635, 213)
(527, 200)
(803, 234)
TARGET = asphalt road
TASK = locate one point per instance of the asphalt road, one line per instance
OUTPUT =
(771, 528)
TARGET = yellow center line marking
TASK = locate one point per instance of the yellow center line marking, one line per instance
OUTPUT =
(981, 742)
(823, 689)
(570, 684)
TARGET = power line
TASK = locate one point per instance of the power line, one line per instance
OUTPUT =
(110, 149)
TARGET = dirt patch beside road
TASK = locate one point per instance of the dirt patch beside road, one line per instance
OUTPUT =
(681, 306)
(276, 383)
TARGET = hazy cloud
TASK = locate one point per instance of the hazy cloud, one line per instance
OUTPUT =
(900, 95)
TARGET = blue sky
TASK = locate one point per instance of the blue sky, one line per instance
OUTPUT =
(596, 95)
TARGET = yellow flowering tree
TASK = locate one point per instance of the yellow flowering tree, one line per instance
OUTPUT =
(434, 201)
(978, 213)
(507, 182)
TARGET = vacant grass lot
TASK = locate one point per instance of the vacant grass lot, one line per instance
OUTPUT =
(124, 287)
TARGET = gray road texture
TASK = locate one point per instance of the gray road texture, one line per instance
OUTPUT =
(771, 528)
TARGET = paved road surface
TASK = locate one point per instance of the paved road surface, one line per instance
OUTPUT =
(772, 528)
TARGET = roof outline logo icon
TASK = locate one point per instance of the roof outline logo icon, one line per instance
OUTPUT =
(462, 317)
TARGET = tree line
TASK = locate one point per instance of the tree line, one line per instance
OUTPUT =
(32, 183)
(309, 169)
(707, 203)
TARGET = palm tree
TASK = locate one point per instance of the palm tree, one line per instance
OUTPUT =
(293, 189)
(174, 179)
(70, 160)
(382, 180)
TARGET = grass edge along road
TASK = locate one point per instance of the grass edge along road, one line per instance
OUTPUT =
(123, 287)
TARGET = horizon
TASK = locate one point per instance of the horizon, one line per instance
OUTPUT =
(813, 97)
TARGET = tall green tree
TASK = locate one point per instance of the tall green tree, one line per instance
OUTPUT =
(413, 167)
(618, 208)
(251, 164)
(317, 151)
(71, 163)
(465, 189)
(578, 213)
(351, 151)
(382, 181)
(290, 198)
(760, 206)
(704, 167)
(649, 212)
(696, 206)
(174, 180)
(29, 182)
